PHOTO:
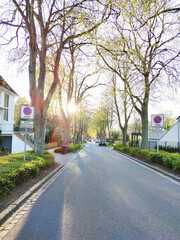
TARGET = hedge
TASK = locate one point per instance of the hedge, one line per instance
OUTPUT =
(70, 148)
(170, 160)
(14, 170)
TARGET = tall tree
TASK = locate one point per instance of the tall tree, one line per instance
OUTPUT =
(149, 45)
(45, 26)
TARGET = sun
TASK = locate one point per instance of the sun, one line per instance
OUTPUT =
(71, 107)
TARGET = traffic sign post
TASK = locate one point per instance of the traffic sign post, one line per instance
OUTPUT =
(26, 115)
(157, 123)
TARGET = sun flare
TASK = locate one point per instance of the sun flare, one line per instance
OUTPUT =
(71, 107)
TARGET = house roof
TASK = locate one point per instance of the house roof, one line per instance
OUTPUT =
(4, 84)
(153, 134)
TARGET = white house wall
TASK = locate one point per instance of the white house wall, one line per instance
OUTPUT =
(7, 126)
(18, 145)
(172, 137)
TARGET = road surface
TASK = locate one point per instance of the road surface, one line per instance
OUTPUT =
(103, 195)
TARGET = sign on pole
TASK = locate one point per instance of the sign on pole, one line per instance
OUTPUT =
(26, 124)
(157, 120)
(27, 112)
(26, 115)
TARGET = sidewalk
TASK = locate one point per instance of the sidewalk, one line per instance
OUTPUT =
(61, 158)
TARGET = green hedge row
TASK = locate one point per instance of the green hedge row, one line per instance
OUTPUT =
(170, 160)
(13, 170)
(70, 148)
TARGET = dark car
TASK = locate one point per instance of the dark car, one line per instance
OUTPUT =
(102, 143)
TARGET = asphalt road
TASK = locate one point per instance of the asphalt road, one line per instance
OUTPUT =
(103, 195)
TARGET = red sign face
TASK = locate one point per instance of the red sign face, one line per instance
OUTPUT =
(157, 119)
(27, 111)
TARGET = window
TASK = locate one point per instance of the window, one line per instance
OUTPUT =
(6, 100)
(6, 106)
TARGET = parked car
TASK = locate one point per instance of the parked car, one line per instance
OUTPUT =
(102, 143)
(97, 141)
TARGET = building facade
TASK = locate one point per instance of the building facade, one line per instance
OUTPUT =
(7, 104)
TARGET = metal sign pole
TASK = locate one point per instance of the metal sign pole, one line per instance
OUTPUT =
(25, 144)
(157, 142)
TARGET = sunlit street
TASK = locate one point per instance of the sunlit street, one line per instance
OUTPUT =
(104, 195)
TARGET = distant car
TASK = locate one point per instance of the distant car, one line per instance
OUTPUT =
(90, 140)
(102, 143)
(97, 141)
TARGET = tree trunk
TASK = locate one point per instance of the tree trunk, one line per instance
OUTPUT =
(124, 133)
(39, 134)
(66, 133)
(144, 119)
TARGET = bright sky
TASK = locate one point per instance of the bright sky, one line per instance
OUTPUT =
(18, 81)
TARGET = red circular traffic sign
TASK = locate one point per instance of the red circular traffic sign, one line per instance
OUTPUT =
(157, 119)
(27, 111)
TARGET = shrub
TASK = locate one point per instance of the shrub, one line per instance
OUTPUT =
(176, 165)
(74, 147)
(70, 148)
(170, 149)
(58, 150)
(51, 145)
(155, 157)
(143, 153)
(170, 160)
(13, 170)
(133, 151)
(118, 147)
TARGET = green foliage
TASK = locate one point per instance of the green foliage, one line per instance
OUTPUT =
(74, 147)
(143, 153)
(170, 149)
(13, 170)
(118, 147)
(51, 145)
(70, 148)
(58, 150)
(170, 160)
(155, 157)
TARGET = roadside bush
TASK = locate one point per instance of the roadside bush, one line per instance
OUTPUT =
(143, 153)
(176, 165)
(118, 146)
(170, 160)
(58, 150)
(70, 148)
(133, 151)
(51, 145)
(74, 147)
(170, 149)
(13, 170)
(155, 157)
